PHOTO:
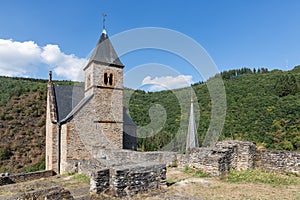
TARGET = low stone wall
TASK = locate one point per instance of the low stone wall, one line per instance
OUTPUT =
(212, 161)
(226, 156)
(22, 177)
(287, 161)
(116, 157)
(123, 180)
(48, 193)
(242, 153)
(133, 179)
(100, 181)
(220, 160)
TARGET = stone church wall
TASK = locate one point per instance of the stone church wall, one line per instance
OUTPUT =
(51, 133)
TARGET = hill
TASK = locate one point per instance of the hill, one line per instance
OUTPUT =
(22, 124)
(262, 107)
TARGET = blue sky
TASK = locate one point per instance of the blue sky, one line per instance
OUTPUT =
(37, 36)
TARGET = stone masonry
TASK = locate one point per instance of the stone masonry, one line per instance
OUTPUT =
(282, 161)
(80, 118)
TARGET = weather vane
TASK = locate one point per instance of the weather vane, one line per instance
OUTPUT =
(104, 15)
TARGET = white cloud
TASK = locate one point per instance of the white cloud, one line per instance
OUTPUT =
(16, 57)
(167, 82)
(68, 66)
(23, 58)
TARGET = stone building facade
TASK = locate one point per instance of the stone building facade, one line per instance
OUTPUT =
(81, 118)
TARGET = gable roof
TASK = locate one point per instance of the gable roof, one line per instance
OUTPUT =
(70, 99)
(105, 53)
(67, 97)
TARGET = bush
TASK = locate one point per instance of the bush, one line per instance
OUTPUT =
(5, 153)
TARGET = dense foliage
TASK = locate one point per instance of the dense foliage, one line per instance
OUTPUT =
(262, 107)
(22, 124)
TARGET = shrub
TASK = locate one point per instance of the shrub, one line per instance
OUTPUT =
(5, 153)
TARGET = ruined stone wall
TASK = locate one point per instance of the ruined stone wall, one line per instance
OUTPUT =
(22, 177)
(128, 179)
(133, 179)
(99, 181)
(117, 156)
(217, 161)
(213, 161)
(223, 158)
(55, 192)
(278, 161)
(242, 153)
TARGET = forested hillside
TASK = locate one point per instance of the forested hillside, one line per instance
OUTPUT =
(22, 123)
(262, 107)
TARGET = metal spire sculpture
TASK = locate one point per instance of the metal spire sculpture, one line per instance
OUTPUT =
(192, 138)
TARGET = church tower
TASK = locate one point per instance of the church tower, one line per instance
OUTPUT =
(104, 79)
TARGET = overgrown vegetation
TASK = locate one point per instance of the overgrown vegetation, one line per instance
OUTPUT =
(257, 176)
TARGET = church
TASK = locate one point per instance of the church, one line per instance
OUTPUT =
(80, 118)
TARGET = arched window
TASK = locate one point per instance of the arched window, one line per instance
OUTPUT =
(105, 78)
(110, 79)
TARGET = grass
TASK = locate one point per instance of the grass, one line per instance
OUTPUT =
(257, 176)
(68, 174)
(195, 173)
(37, 167)
(174, 164)
(81, 177)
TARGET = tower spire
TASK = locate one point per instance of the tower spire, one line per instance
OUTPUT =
(103, 21)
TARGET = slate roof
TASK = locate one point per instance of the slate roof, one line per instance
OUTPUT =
(105, 53)
(70, 99)
(127, 120)
(67, 97)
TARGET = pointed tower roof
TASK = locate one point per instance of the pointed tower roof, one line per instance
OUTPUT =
(192, 138)
(105, 53)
